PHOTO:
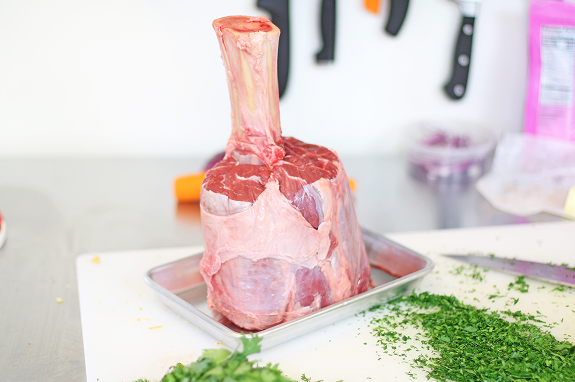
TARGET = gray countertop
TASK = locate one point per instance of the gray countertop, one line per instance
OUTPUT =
(56, 209)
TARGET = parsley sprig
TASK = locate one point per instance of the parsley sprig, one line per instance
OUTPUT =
(221, 365)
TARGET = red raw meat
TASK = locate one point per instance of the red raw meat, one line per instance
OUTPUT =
(280, 230)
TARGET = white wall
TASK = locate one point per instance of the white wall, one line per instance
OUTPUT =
(143, 77)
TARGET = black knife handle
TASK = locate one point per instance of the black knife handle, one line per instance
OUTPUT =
(327, 31)
(458, 84)
(397, 12)
(279, 10)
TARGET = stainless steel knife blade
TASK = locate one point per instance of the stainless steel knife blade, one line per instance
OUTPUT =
(468, 7)
(547, 272)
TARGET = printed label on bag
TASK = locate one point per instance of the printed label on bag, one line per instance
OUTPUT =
(557, 66)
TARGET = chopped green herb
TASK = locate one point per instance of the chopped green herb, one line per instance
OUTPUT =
(217, 365)
(475, 274)
(519, 285)
(472, 344)
(307, 379)
(374, 308)
(458, 270)
(514, 300)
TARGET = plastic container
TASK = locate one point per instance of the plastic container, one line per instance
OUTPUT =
(449, 152)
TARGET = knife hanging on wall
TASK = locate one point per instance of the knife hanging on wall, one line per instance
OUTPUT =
(457, 85)
(279, 10)
(327, 52)
(396, 16)
(397, 13)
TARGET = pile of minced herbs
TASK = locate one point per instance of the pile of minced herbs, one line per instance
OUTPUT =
(466, 343)
(456, 342)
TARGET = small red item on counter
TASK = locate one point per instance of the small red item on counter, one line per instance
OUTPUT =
(2, 231)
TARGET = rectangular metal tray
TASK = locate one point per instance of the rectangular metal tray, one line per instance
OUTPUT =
(395, 271)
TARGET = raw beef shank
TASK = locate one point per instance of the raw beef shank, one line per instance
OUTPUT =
(280, 230)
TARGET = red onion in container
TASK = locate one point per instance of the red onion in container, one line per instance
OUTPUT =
(449, 152)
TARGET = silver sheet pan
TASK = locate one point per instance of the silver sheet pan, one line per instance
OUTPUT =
(396, 271)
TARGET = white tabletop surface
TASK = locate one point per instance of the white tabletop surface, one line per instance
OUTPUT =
(129, 334)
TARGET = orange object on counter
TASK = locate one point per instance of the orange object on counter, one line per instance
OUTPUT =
(187, 187)
(351, 184)
(372, 5)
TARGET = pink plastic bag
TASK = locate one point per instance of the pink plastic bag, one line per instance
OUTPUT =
(550, 109)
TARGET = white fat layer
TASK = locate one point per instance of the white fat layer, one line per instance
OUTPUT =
(248, 232)
(247, 158)
(221, 205)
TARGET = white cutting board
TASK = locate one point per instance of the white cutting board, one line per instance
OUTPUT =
(129, 334)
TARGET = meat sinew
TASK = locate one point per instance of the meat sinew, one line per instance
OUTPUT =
(280, 230)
